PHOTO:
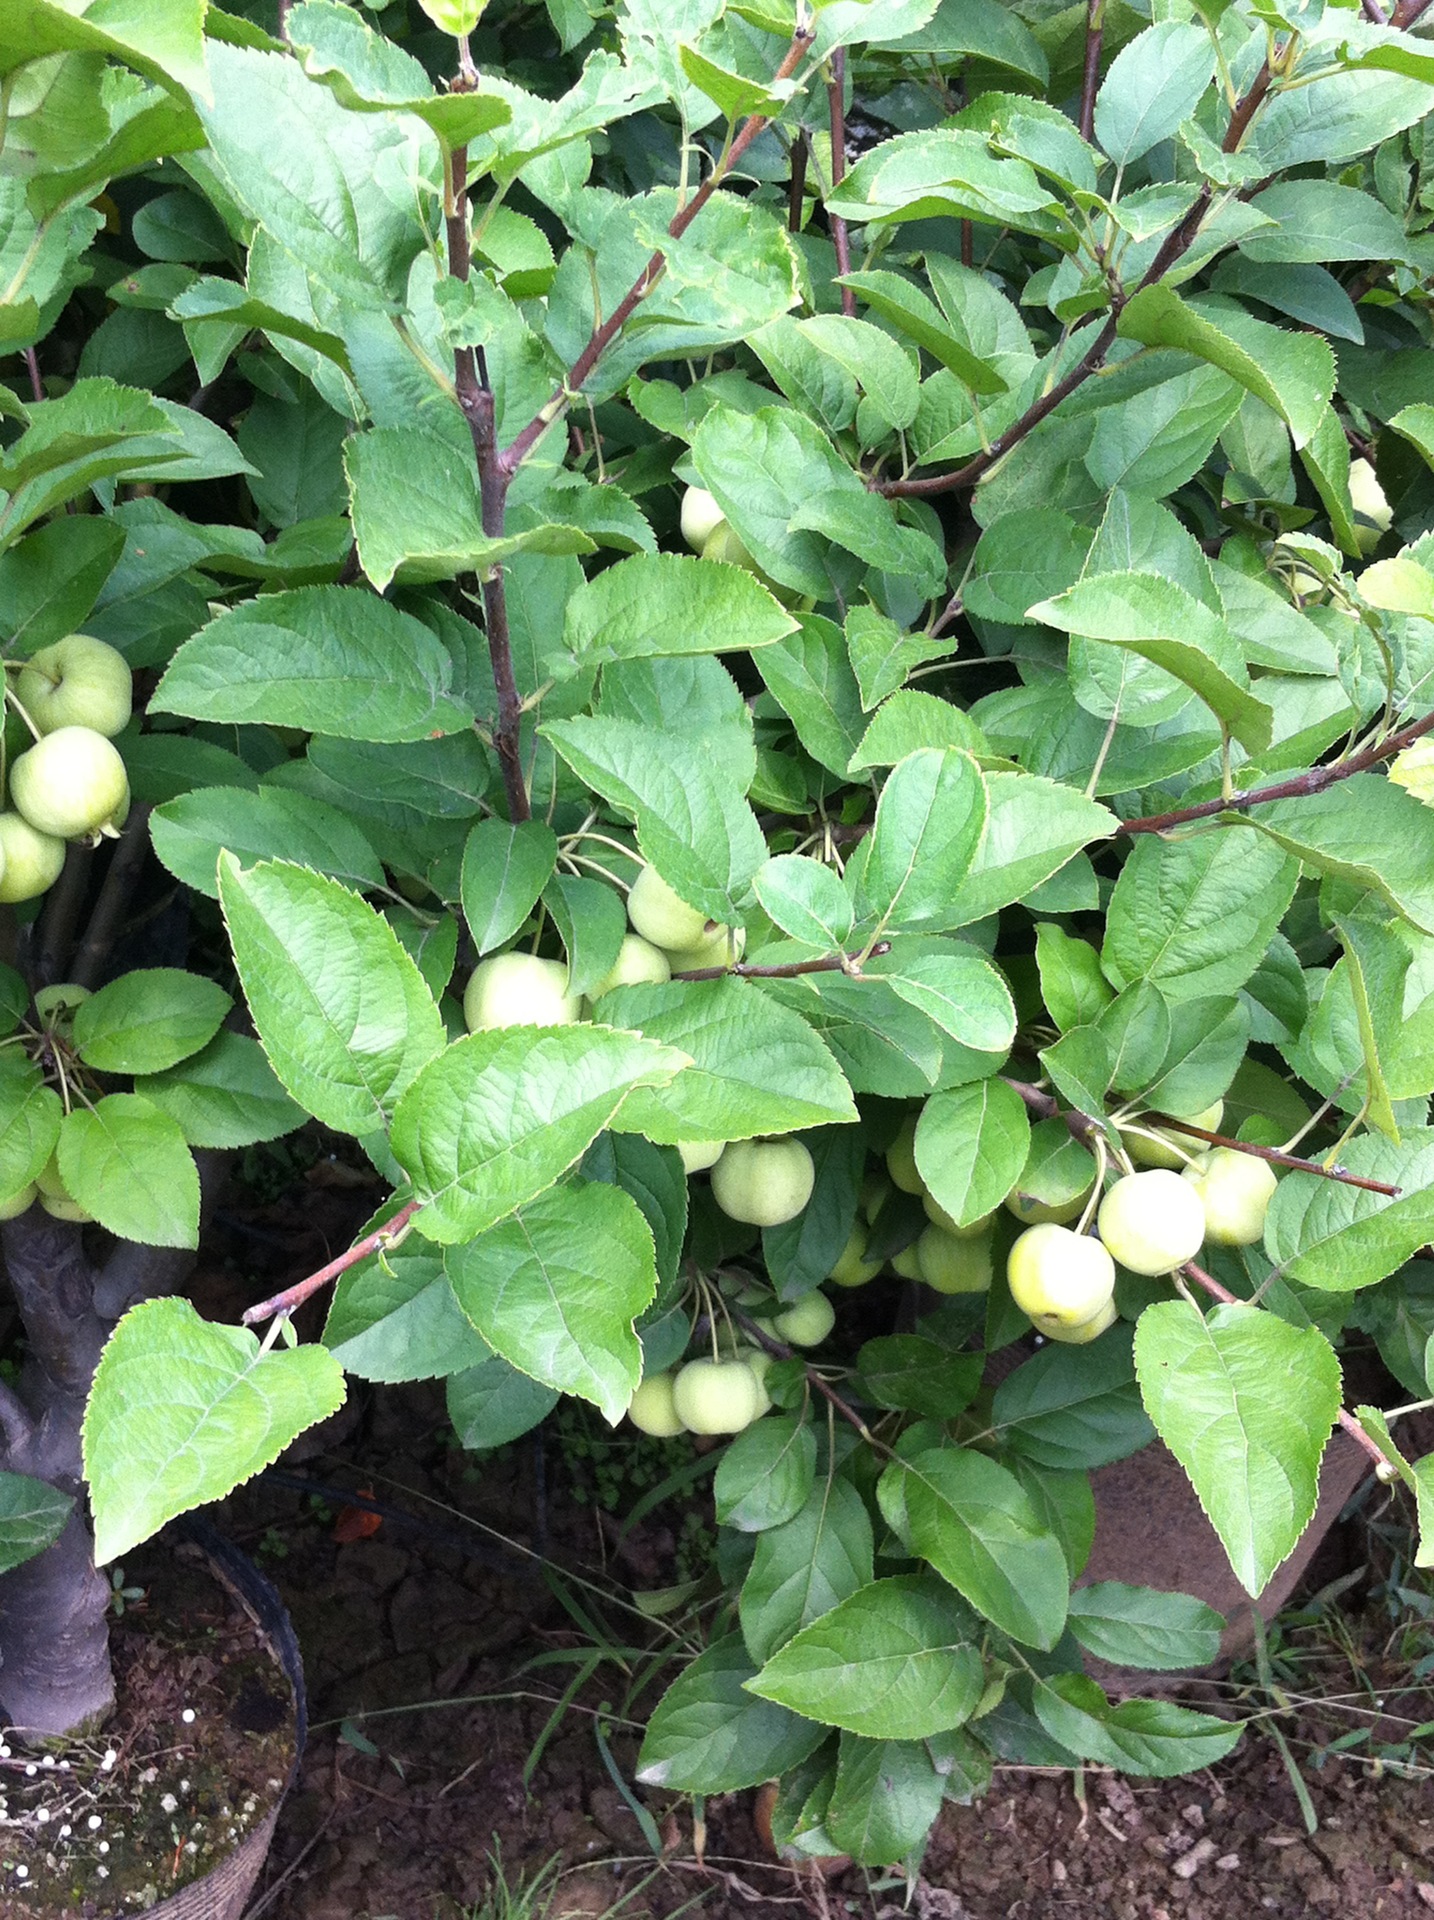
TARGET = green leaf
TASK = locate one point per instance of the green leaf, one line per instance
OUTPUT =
(756, 1067)
(1321, 220)
(886, 1797)
(1074, 1408)
(1145, 1626)
(1073, 987)
(369, 74)
(895, 1661)
(1154, 1738)
(164, 42)
(1291, 372)
(333, 660)
(1164, 624)
(1365, 830)
(762, 468)
(128, 1164)
(670, 603)
(766, 1474)
(1154, 83)
(965, 996)
(341, 1010)
(555, 1290)
(692, 824)
(806, 900)
(808, 673)
(394, 1317)
(916, 315)
(505, 868)
(1194, 917)
(492, 1404)
(30, 1116)
(974, 1522)
(50, 581)
(909, 1371)
(801, 1569)
(971, 1145)
(497, 1117)
(1034, 827)
(921, 176)
(271, 824)
(416, 512)
(183, 1410)
(591, 923)
(32, 1517)
(1330, 1235)
(1245, 1402)
(148, 1020)
(908, 720)
(707, 1734)
(800, 1253)
(929, 823)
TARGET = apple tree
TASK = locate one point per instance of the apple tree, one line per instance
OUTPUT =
(785, 652)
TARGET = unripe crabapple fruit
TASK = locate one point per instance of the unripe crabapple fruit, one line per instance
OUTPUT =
(1058, 1277)
(1235, 1191)
(763, 1182)
(662, 916)
(1152, 1222)
(519, 990)
(651, 1407)
(717, 1396)
(701, 517)
(807, 1322)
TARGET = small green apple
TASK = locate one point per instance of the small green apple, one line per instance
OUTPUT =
(1152, 1222)
(1414, 770)
(61, 1207)
(852, 1268)
(697, 1155)
(1171, 1149)
(70, 783)
(757, 1359)
(701, 517)
(1032, 1212)
(30, 862)
(720, 948)
(637, 963)
(78, 682)
(954, 1265)
(1088, 1330)
(48, 1179)
(907, 1262)
(937, 1213)
(56, 1004)
(901, 1159)
(717, 1396)
(763, 1182)
(662, 916)
(651, 1408)
(1235, 1191)
(1059, 1278)
(17, 1203)
(519, 990)
(807, 1322)
(875, 1192)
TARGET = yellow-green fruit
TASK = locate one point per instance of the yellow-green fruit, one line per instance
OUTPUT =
(1368, 499)
(1059, 1278)
(807, 1322)
(1088, 1330)
(901, 1159)
(638, 963)
(61, 1207)
(78, 682)
(1034, 1213)
(1235, 1191)
(1171, 1149)
(519, 990)
(757, 1359)
(717, 1396)
(875, 1192)
(659, 915)
(30, 861)
(951, 1265)
(58, 1002)
(697, 1155)
(720, 948)
(1414, 770)
(763, 1182)
(651, 1408)
(18, 1203)
(935, 1211)
(852, 1268)
(907, 1263)
(49, 1182)
(1152, 1222)
(701, 517)
(70, 783)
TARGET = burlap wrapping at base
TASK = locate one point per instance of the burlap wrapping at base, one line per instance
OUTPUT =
(223, 1894)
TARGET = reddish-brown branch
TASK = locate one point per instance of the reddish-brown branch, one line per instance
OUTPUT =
(603, 335)
(841, 238)
(1275, 1156)
(781, 1351)
(1295, 788)
(1209, 1284)
(1090, 76)
(32, 367)
(296, 1295)
(1408, 11)
(848, 963)
(797, 186)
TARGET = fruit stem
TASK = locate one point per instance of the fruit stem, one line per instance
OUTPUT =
(781, 1351)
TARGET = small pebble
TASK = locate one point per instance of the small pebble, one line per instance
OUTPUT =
(188, 1716)
(1189, 1864)
(94, 1821)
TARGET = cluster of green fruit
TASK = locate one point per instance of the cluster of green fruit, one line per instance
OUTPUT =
(723, 1395)
(72, 699)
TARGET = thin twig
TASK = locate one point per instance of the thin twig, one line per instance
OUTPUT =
(126, 865)
(1375, 13)
(847, 963)
(607, 330)
(1090, 77)
(781, 1351)
(1276, 1157)
(797, 187)
(1314, 781)
(836, 108)
(1209, 1284)
(1408, 11)
(296, 1295)
(32, 367)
